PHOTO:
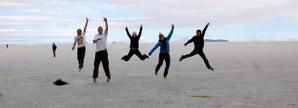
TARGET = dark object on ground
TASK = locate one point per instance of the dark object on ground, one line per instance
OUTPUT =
(6, 45)
(60, 82)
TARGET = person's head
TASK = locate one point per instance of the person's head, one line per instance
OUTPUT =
(134, 34)
(79, 32)
(198, 32)
(161, 37)
(100, 30)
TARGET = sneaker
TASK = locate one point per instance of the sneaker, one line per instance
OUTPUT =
(94, 80)
(108, 80)
(165, 77)
(181, 58)
(211, 68)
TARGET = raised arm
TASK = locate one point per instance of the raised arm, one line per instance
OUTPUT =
(106, 25)
(203, 34)
(140, 32)
(86, 24)
(171, 33)
(154, 48)
(127, 32)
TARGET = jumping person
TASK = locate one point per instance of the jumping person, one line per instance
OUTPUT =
(164, 54)
(198, 41)
(101, 54)
(134, 45)
(54, 47)
(81, 41)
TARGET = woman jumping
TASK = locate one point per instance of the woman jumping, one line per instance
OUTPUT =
(164, 54)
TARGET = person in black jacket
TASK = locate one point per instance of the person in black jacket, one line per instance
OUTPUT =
(134, 45)
(54, 47)
(198, 41)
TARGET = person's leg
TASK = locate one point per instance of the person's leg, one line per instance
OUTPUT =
(142, 57)
(128, 56)
(201, 53)
(96, 65)
(105, 63)
(168, 63)
(54, 52)
(83, 56)
(160, 61)
(79, 53)
(194, 52)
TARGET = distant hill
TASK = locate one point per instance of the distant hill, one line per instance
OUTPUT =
(216, 40)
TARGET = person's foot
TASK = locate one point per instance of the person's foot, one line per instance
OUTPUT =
(165, 77)
(94, 80)
(181, 58)
(108, 80)
(146, 56)
(80, 69)
(156, 73)
(210, 68)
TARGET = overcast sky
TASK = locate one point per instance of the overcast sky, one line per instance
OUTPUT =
(235, 20)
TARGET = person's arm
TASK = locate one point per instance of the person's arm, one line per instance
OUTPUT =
(95, 39)
(189, 41)
(127, 32)
(106, 25)
(86, 24)
(140, 32)
(154, 48)
(171, 33)
(74, 44)
(205, 29)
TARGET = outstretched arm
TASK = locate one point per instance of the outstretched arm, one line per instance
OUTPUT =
(106, 25)
(127, 32)
(140, 32)
(203, 34)
(154, 48)
(171, 33)
(189, 41)
(86, 24)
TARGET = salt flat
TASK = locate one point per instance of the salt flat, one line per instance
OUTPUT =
(247, 75)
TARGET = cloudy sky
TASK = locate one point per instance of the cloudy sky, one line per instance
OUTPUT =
(235, 20)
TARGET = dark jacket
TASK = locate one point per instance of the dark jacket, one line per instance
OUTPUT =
(134, 41)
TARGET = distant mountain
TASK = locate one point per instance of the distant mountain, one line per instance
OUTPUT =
(216, 40)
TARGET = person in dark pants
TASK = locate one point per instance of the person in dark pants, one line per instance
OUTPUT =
(134, 45)
(54, 47)
(81, 41)
(101, 54)
(198, 41)
(6, 45)
(164, 55)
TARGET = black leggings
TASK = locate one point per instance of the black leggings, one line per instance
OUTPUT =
(163, 57)
(201, 53)
(81, 56)
(101, 56)
(136, 52)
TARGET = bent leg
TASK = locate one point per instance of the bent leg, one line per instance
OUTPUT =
(194, 52)
(160, 61)
(168, 63)
(128, 56)
(142, 57)
(201, 53)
